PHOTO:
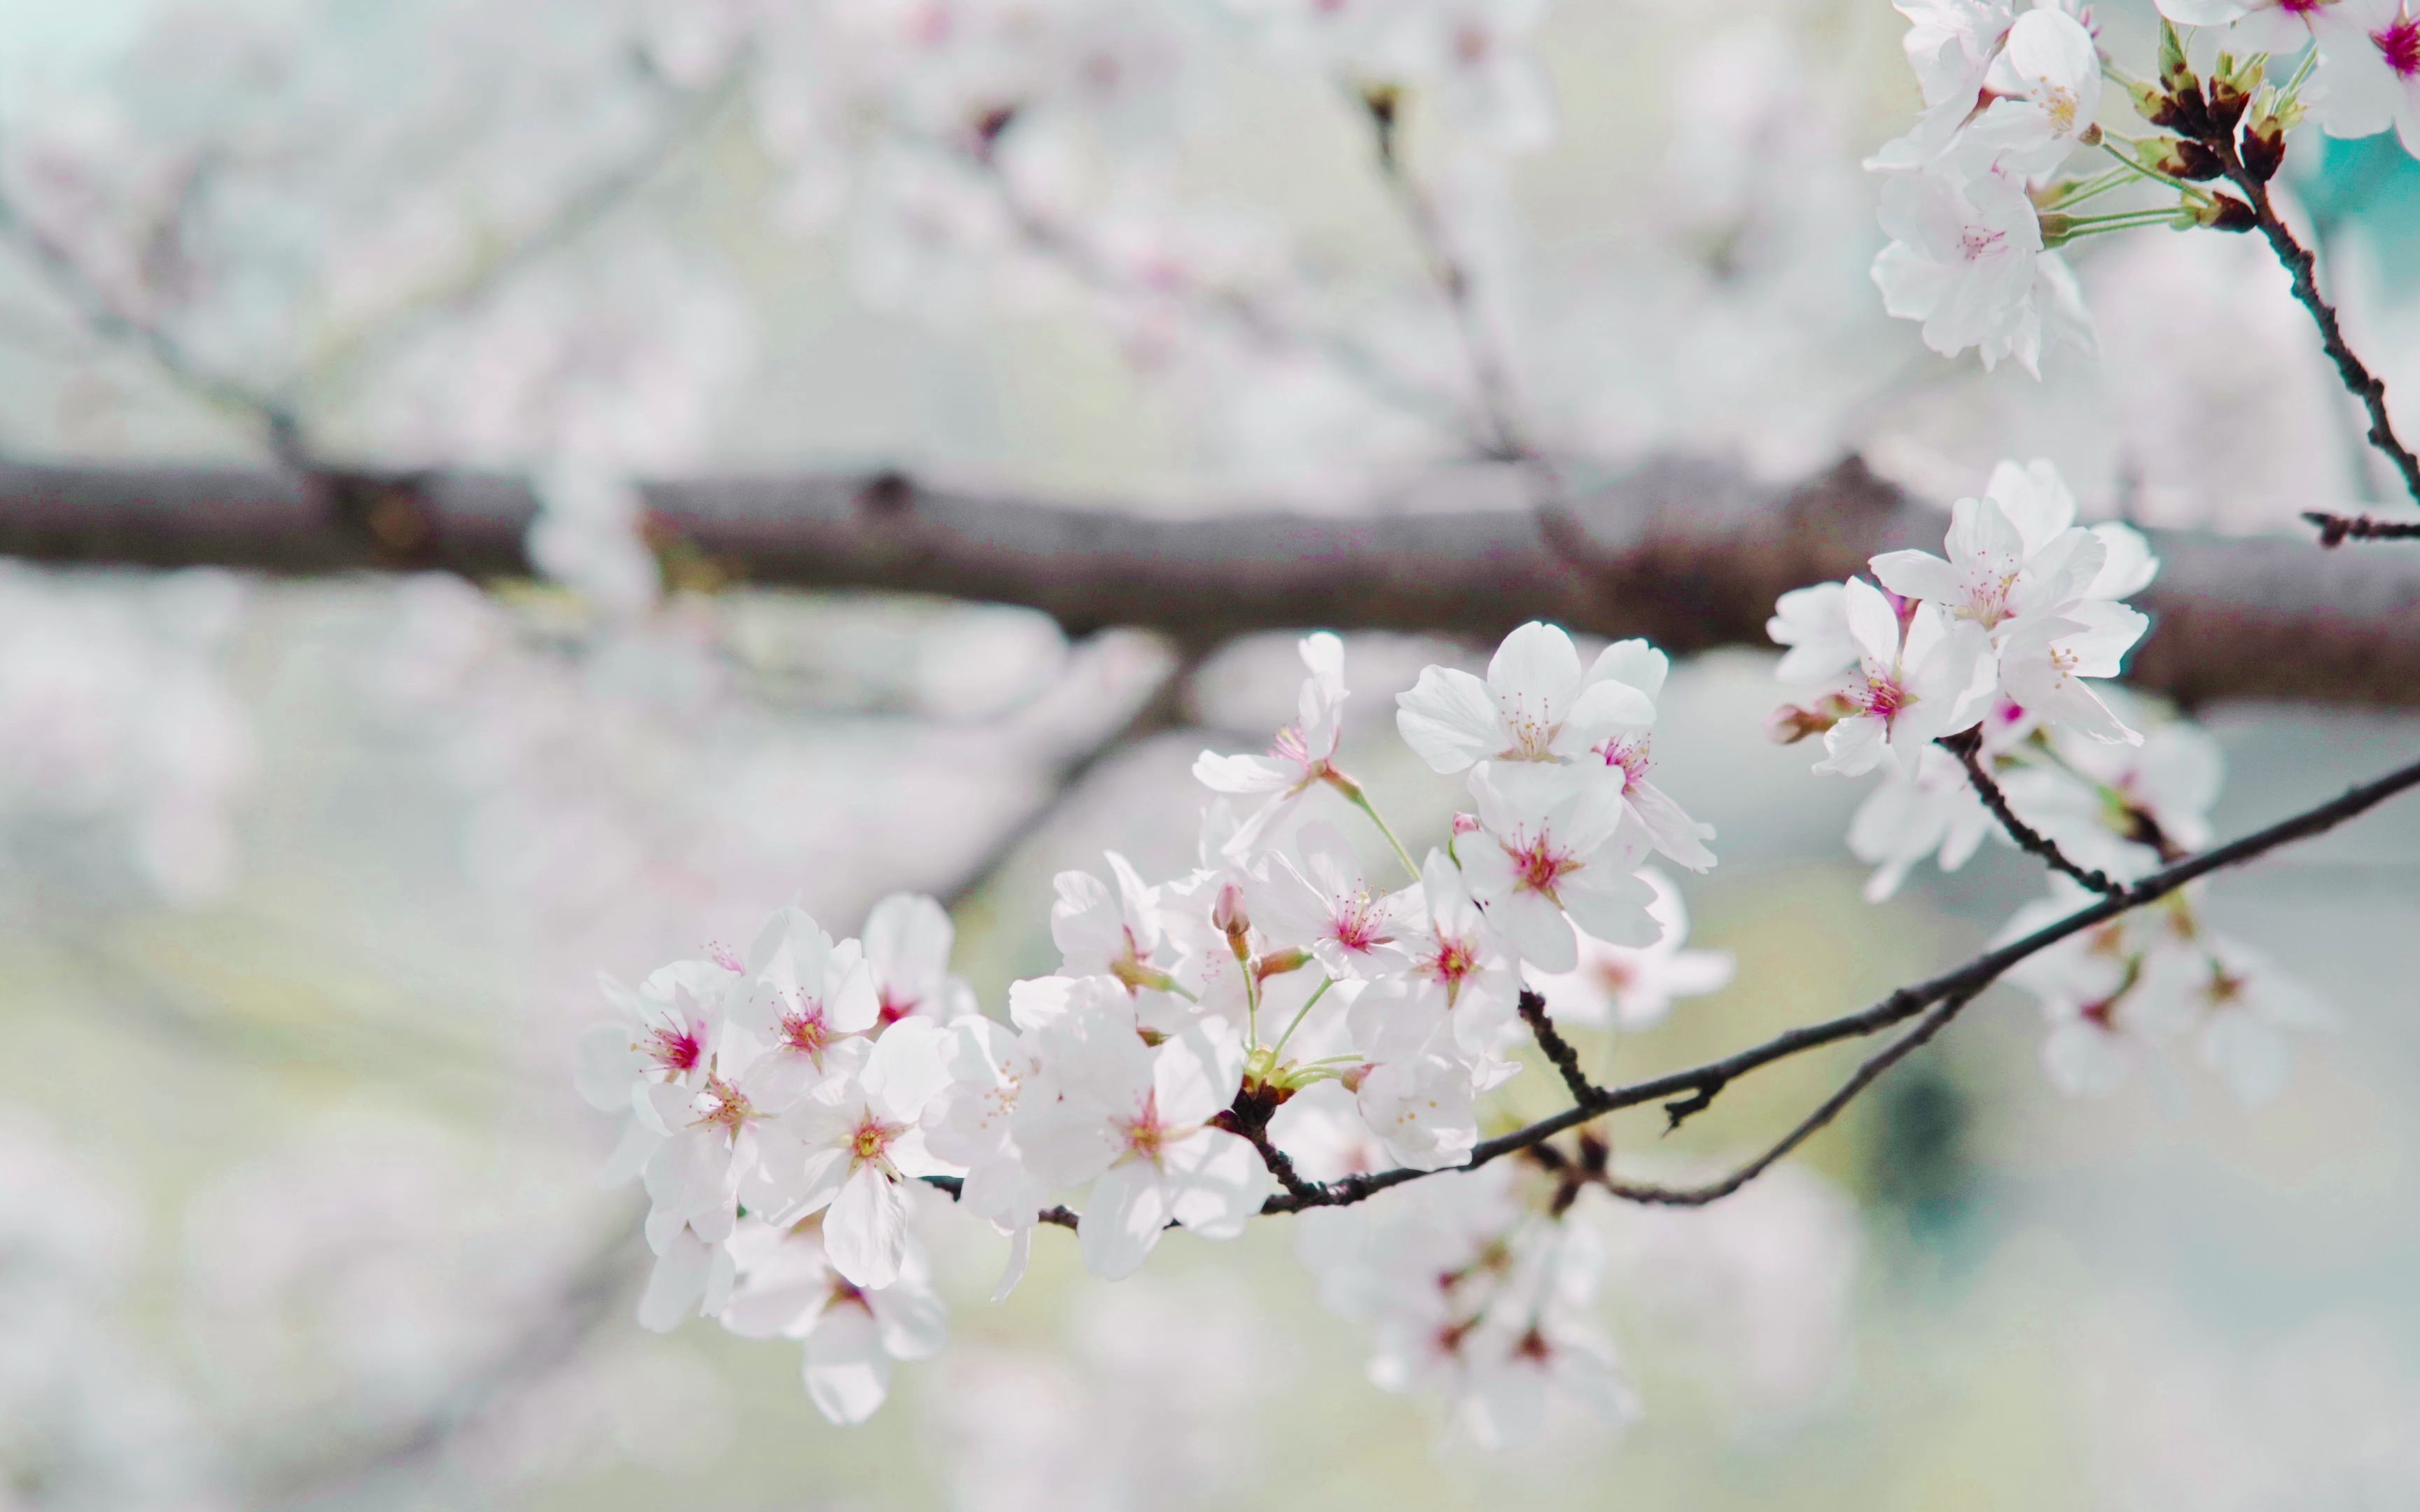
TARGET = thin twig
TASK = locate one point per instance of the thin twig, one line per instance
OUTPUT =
(1867, 1074)
(2335, 529)
(1558, 1049)
(1968, 746)
(2303, 265)
(1907, 1002)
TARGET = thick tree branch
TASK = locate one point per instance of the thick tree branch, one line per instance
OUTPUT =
(1689, 553)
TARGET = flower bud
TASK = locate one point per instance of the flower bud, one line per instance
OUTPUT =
(2181, 159)
(1278, 963)
(1466, 823)
(1790, 724)
(2224, 212)
(1227, 916)
(2264, 152)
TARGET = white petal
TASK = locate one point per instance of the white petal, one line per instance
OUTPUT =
(1130, 1207)
(846, 1373)
(866, 1231)
(1449, 719)
(1217, 1182)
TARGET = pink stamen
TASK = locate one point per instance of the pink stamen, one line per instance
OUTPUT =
(1540, 867)
(2399, 44)
(675, 1050)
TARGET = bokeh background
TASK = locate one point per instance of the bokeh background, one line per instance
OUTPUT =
(303, 885)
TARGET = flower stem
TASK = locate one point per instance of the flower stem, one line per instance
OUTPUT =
(1317, 993)
(2190, 190)
(1354, 795)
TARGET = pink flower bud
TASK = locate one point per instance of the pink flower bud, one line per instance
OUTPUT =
(1466, 823)
(1226, 912)
(1790, 724)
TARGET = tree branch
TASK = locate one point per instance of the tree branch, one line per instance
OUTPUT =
(1687, 552)
(1558, 1049)
(2364, 384)
(1944, 995)
(1967, 747)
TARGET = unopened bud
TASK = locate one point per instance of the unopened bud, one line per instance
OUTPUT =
(2181, 159)
(1278, 963)
(2263, 148)
(2174, 71)
(1790, 724)
(1351, 1077)
(2227, 95)
(1227, 916)
(1466, 823)
(2224, 212)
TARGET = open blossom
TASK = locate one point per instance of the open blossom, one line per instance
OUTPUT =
(1304, 753)
(721, 1143)
(1327, 907)
(1456, 971)
(1134, 1120)
(788, 1288)
(861, 1147)
(1633, 988)
(1909, 691)
(2044, 88)
(1908, 816)
(1813, 623)
(2247, 1010)
(1419, 1109)
(1658, 818)
(666, 1031)
(1536, 705)
(2369, 70)
(811, 1001)
(2124, 809)
(1548, 846)
(1115, 931)
(1966, 258)
(907, 940)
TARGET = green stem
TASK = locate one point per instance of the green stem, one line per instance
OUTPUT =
(2094, 188)
(1361, 800)
(2191, 191)
(1317, 993)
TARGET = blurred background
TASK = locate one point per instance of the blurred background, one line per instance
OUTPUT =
(306, 882)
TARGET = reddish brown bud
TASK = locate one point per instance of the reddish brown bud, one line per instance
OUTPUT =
(2264, 149)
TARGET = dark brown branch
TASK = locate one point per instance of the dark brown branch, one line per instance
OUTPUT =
(1866, 1074)
(1968, 749)
(1689, 553)
(2335, 529)
(1558, 1049)
(1057, 1217)
(2364, 384)
(1951, 988)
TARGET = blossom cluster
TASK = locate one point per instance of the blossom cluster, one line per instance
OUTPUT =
(1998, 646)
(1973, 197)
(787, 1106)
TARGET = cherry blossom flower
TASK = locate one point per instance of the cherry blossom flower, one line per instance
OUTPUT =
(2371, 81)
(1909, 691)
(1665, 826)
(2044, 659)
(1548, 847)
(1951, 44)
(721, 1145)
(667, 1032)
(1966, 258)
(970, 1124)
(811, 1002)
(1456, 970)
(1535, 705)
(907, 940)
(1814, 624)
(1134, 1120)
(2247, 1010)
(861, 1146)
(1633, 988)
(1419, 1109)
(1304, 753)
(1327, 906)
(2044, 88)
(788, 1288)
(1906, 818)
(1101, 932)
